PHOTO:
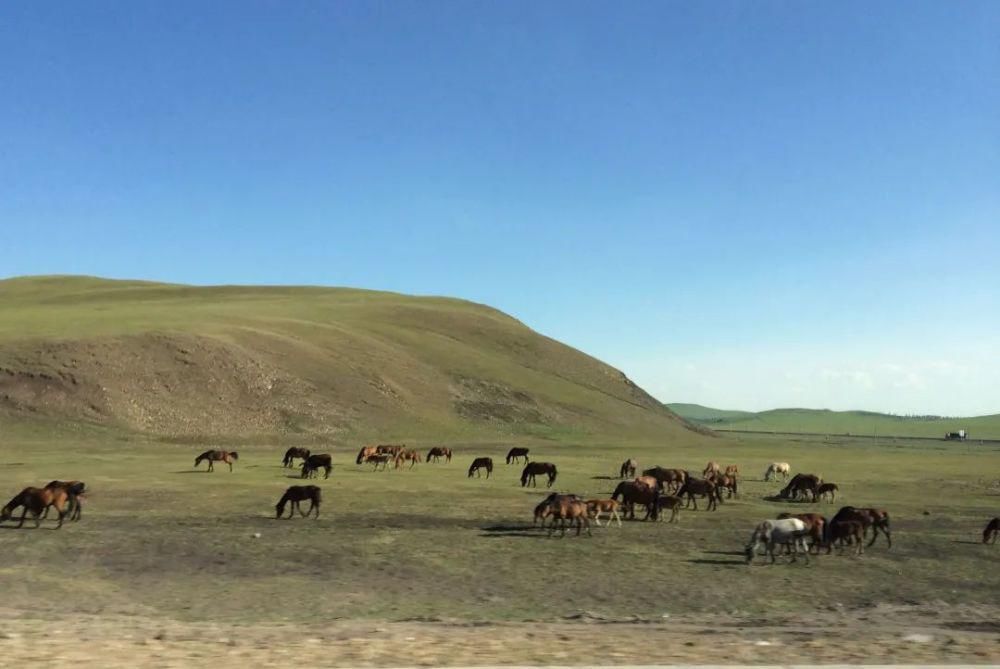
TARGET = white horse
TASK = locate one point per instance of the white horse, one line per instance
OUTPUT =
(774, 533)
(776, 468)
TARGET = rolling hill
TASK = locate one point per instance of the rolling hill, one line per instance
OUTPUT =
(823, 421)
(230, 361)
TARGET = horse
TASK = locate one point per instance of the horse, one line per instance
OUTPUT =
(628, 468)
(37, 500)
(733, 470)
(711, 468)
(773, 533)
(815, 523)
(701, 488)
(992, 530)
(728, 483)
(391, 449)
(846, 532)
(407, 454)
(776, 468)
(292, 453)
(636, 492)
(315, 462)
(650, 481)
(564, 508)
(217, 456)
(74, 490)
(876, 519)
(670, 479)
(364, 453)
(544, 508)
(532, 469)
(801, 483)
(827, 489)
(595, 507)
(296, 494)
(671, 502)
(481, 463)
(438, 452)
(377, 459)
(516, 453)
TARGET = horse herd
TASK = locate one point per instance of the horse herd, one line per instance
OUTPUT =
(657, 490)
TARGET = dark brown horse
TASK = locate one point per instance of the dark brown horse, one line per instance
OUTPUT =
(876, 519)
(37, 501)
(693, 488)
(74, 491)
(671, 502)
(827, 489)
(292, 453)
(992, 530)
(801, 484)
(670, 479)
(516, 453)
(481, 463)
(229, 457)
(845, 532)
(407, 455)
(296, 494)
(438, 452)
(379, 460)
(533, 469)
(628, 469)
(636, 492)
(315, 462)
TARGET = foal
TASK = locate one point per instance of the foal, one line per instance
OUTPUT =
(217, 456)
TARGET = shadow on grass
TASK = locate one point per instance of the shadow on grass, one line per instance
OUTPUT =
(968, 543)
(785, 500)
(718, 562)
(724, 553)
(192, 471)
(522, 531)
(606, 478)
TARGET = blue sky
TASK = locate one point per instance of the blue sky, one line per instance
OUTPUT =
(747, 205)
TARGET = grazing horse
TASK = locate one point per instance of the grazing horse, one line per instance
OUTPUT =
(733, 470)
(671, 502)
(636, 492)
(217, 456)
(391, 449)
(628, 469)
(406, 455)
(572, 509)
(776, 468)
(670, 479)
(595, 507)
(364, 454)
(992, 530)
(296, 494)
(827, 489)
(711, 468)
(876, 519)
(74, 490)
(37, 500)
(315, 462)
(815, 523)
(800, 485)
(544, 508)
(481, 463)
(701, 488)
(438, 452)
(774, 533)
(516, 453)
(532, 469)
(728, 483)
(293, 453)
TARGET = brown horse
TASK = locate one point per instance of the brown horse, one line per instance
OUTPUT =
(544, 508)
(229, 457)
(438, 452)
(815, 526)
(733, 470)
(801, 484)
(595, 507)
(628, 469)
(481, 463)
(379, 459)
(364, 453)
(392, 449)
(699, 488)
(727, 483)
(516, 453)
(315, 462)
(827, 489)
(565, 508)
(992, 530)
(711, 468)
(74, 491)
(636, 492)
(670, 479)
(650, 482)
(533, 469)
(876, 519)
(292, 453)
(671, 502)
(407, 455)
(296, 494)
(37, 500)
(846, 532)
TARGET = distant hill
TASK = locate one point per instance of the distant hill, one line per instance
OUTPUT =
(823, 421)
(180, 360)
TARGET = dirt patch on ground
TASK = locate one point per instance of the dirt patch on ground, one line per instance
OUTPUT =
(881, 635)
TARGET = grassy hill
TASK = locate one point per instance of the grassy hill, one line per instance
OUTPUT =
(224, 361)
(822, 421)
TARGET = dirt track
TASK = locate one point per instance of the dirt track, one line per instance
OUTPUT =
(880, 635)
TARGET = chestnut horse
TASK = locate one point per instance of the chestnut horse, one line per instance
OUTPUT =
(827, 489)
(392, 449)
(628, 469)
(217, 456)
(296, 494)
(728, 483)
(533, 469)
(315, 462)
(481, 463)
(37, 500)
(670, 479)
(876, 519)
(438, 452)
(293, 453)
(595, 507)
(74, 490)
(636, 492)
(364, 453)
(733, 470)
(407, 455)
(544, 508)
(516, 453)
(566, 508)
(701, 488)
(992, 530)
(711, 468)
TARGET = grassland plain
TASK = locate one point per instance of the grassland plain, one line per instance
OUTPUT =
(824, 422)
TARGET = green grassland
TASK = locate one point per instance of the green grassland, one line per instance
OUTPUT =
(821, 421)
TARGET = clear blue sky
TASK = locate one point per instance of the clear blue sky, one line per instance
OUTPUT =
(748, 205)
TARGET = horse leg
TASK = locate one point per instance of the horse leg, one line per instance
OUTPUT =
(62, 514)
(617, 516)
